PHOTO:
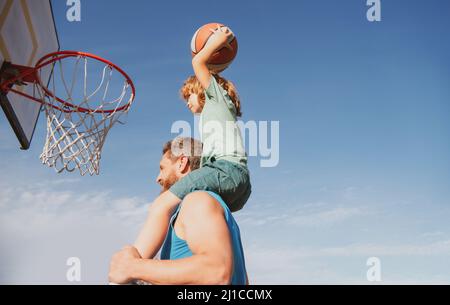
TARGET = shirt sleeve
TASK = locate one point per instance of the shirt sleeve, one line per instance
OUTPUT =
(215, 92)
(217, 95)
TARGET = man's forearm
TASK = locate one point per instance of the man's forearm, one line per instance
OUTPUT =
(197, 269)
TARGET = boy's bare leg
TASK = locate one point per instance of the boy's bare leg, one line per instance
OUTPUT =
(154, 231)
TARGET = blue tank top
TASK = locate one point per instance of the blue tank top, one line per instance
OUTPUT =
(176, 248)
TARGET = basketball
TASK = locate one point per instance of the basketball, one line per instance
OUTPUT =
(221, 59)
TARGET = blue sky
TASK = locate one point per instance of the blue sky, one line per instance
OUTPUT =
(364, 141)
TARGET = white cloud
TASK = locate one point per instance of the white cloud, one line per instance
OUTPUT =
(41, 227)
(324, 265)
(317, 214)
(327, 217)
(364, 250)
(433, 234)
(432, 249)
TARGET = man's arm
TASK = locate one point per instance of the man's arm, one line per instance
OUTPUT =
(154, 231)
(208, 237)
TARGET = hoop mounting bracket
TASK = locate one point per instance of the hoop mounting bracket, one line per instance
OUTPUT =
(11, 74)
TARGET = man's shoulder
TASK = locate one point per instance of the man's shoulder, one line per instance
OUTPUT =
(200, 203)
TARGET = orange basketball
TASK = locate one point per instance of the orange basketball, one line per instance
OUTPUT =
(222, 58)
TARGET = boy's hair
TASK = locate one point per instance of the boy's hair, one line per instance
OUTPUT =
(192, 85)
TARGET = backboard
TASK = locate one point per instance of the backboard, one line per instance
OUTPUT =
(27, 32)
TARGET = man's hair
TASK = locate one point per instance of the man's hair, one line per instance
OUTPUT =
(192, 85)
(188, 147)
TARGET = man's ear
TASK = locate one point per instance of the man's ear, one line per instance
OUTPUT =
(183, 164)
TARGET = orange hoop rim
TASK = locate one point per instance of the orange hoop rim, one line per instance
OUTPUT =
(66, 106)
(56, 56)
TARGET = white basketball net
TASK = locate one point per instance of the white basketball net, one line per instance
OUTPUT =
(74, 138)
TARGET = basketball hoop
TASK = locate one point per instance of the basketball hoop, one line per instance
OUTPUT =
(80, 109)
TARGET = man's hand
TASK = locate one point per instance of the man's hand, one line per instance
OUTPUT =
(120, 269)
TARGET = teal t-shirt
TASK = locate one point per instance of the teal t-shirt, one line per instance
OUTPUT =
(176, 248)
(219, 131)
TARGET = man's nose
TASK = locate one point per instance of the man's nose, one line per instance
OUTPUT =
(158, 179)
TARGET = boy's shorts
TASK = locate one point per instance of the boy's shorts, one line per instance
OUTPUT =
(228, 179)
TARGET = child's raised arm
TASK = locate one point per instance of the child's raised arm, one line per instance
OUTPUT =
(218, 40)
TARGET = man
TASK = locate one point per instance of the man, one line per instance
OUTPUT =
(203, 244)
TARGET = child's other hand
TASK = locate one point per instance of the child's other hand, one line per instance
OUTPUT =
(221, 38)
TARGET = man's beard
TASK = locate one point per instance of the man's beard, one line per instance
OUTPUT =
(167, 183)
